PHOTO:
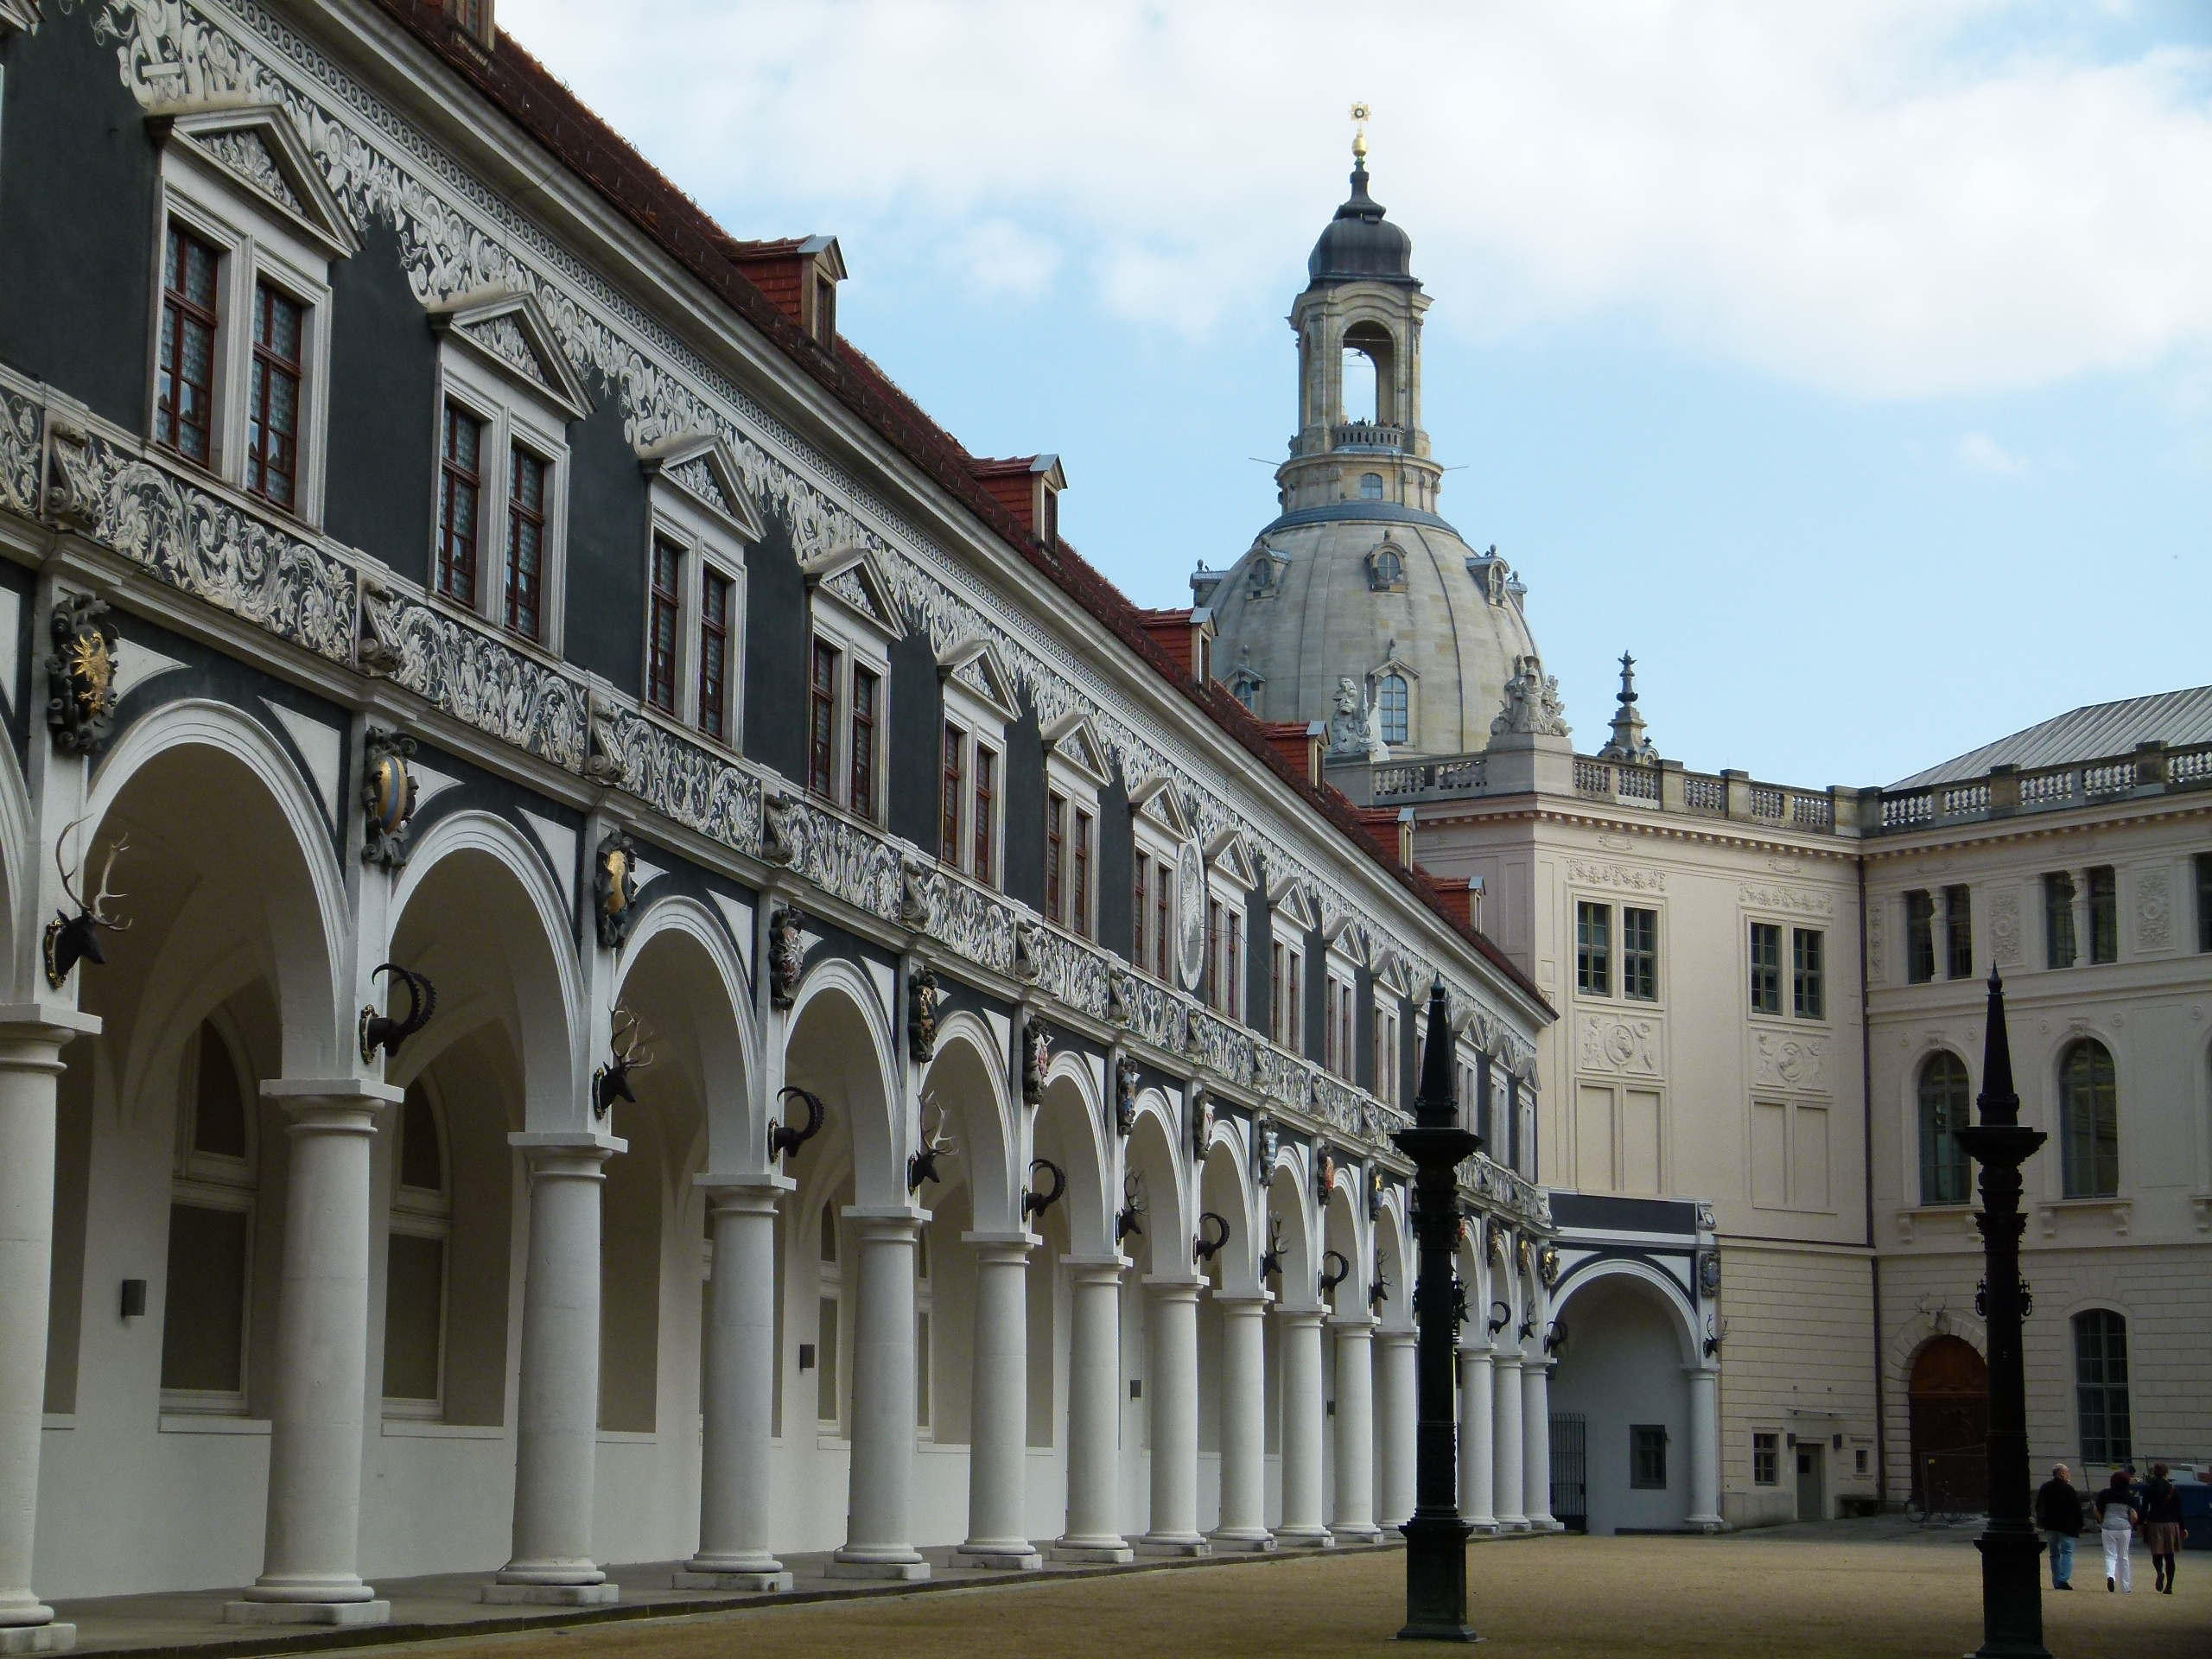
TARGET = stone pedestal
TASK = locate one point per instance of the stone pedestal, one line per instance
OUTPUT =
(1244, 1426)
(877, 1525)
(1353, 1519)
(998, 1436)
(1397, 1406)
(1478, 1441)
(738, 1411)
(31, 1041)
(1303, 1427)
(1507, 1437)
(323, 1356)
(557, 1439)
(1093, 1532)
(1174, 1405)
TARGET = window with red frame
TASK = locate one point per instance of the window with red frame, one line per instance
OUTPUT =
(866, 686)
(986, 783)
(667, 601)
(822, 721)
(461, 494)
(184, 405)
(715, 591)
(526, 545)
(1056, 836)
(951, 785)
(272, 437)
(1079, 875)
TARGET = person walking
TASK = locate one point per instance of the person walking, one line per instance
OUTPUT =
(2058, 1512)
(2118, 1513)
(2162, 1525)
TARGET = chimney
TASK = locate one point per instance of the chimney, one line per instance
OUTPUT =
(1028, 487)
(798, 275)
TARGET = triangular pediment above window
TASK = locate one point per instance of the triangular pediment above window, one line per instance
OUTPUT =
(1154, 802)
(19, 14)
(1293, 905)
(259, 148)
(1394, 973)
(1230, 852)
(850, 575)
(1346, 937)
(974, 663)
(702, 466)
(1073, 739)
(508, 330)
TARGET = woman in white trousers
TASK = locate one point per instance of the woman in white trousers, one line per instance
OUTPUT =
(2118, 1516)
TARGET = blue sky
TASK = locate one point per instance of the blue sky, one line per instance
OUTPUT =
(1852, 365)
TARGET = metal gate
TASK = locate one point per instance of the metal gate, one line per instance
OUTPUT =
(1570, 1470)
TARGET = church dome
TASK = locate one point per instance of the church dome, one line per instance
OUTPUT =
(1359, 243)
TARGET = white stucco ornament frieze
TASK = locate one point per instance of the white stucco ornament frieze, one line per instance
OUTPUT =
(1767, 896)
(1608, 1043)
(1624, 876)
(1783, 1060)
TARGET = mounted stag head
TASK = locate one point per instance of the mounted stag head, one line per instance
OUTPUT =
(783, 1142)
(381, 1031)
(1331, 1277)
(1271, 1258)
(73, 939)
(936, 1143)
(611, 1082)
(1133, 1208)
(1204, 1249)
(1035, 1203)
(1715, 1334)
(1528, 1320)
(1379, 1291)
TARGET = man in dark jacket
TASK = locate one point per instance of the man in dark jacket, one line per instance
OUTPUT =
(2058, 1513)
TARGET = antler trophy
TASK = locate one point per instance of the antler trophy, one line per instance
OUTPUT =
(611, 1082)
(381, 1031)
(1271, 1258)
(936, 1143)
(73, 939)
(1133, 1208)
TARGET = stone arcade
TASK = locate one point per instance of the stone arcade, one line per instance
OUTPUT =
(666, 972)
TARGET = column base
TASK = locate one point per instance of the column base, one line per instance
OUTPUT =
(1240, 1541)
(1513, 1523)
(1486, 1525)
(999, 1559)
(1359, 1535)
(496, 1594)
(777, 1582)
(1705, 1523)
(1305, 1538)
(1116, 1553)
(908, 1572)
(1171, 1546)
(300, 1613)
(37, 1639)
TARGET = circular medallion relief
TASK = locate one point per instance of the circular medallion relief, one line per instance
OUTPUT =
(1191, 914)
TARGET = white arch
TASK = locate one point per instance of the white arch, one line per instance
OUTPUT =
(556, 1066)
(1222, 1170)
(1158, 1127)
(1394, 1251)
(995, 1166)
(733, 1131)
(316, 1023)
(1092, 1202)
(1618, 1267)
(879, 1160)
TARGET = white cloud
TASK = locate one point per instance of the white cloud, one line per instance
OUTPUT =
(1889, 198)
(1979, 453)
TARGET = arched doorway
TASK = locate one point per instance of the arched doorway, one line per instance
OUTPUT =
(1949, 1394)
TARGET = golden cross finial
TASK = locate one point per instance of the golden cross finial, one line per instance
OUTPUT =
(1359, 114)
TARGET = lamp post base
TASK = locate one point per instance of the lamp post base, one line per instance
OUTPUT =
(1436, 1579)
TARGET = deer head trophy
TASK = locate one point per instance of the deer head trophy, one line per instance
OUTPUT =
(381, 1031)
(1715, 1334)
(1379, 1291)
(1035, 1203)
(1133, 1208)
(1271, 1258)
(921, 1164)
(1205, 1247)
(784, 1140)
(73, 939)
(1333, 1275)
(611, 1082)
(1528, 1320)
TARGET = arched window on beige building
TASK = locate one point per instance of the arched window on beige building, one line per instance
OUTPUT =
(1945, 1105)
(2089, 1120)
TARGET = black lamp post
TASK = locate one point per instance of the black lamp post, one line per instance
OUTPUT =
(2012, 1589)
(1436, 1538)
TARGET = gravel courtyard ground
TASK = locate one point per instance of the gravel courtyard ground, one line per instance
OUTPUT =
(1864, 1590)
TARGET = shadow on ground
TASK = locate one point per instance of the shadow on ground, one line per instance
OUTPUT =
(1848, 1590)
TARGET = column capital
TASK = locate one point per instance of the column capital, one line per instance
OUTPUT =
(32, 1025)
(1358, 1324)
(1301, 1315)
(1232, 1302)
(1703, 1369)
(1024, 1241)
(1507, 1359)
(1391, 1336)
(1089, 1266)
(1169, 1287)
(765, 1186)
(331, 1105)
(898, 1222)
(575, 1154)
(1481, 1345)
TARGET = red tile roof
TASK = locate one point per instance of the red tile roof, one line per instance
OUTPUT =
(533, 98)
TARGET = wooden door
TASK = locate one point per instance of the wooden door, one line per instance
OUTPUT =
(1949, 1397)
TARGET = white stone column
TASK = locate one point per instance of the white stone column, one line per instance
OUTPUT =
(880, 1505)
(998, 1436)
(1353, 1521)
(313, 1533)
(1506, 1437)
(1094, 1523)
(1243, 1425)
(1536, 1444)
(1174, 1419)
(1397, 1405)
(557, 1425)
(1704, 1448)
(738, 1414)
(1477, 1442)
(31, 1040)
(1304, 1425)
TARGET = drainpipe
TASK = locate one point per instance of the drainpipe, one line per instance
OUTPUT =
(1866, 1154)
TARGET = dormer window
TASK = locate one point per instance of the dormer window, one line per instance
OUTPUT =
(473, 17)
(825, 309)
(1386, 569)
